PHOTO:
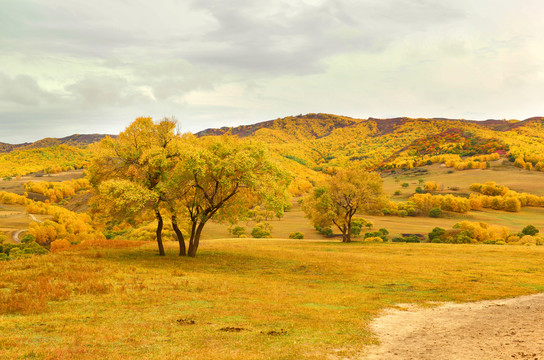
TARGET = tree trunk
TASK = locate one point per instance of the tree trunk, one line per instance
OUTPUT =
(179, 234)
(192, 240)
(159, 232)
(345, 234)
(196, 240)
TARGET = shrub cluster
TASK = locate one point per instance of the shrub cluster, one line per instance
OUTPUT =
(326, 231)
(407, 239)
(473, 232)
(26, 248)
(64, 224)
(296, 235)
(381, 234)
(57, 191)
(358, 224)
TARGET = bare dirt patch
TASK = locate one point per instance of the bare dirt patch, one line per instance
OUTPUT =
(497, 329)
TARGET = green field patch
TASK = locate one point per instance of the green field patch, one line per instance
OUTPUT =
(325, 306)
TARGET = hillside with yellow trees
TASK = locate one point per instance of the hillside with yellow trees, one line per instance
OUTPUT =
(322, 141)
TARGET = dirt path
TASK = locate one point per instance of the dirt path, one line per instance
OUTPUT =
(487, 330)
(15, 234)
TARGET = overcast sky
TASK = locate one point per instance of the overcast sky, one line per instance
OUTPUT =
(94, 66)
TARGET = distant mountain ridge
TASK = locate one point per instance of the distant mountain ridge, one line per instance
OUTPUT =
(321, 125)
(78, 140)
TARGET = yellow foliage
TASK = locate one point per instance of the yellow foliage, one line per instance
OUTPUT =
(59, 245)
(49, 160)
(373, 239)
(57, 191)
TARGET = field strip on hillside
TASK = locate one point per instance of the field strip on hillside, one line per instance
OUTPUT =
(494, 329)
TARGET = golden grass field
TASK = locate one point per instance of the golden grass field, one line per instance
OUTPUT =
(256, 298)
(239, 298)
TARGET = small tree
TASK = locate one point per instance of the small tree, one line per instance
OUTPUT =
(343, 195)
(238, 231)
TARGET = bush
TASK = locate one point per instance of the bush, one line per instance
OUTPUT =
(528, 239)
(24, 249)
(530, 230)
(382, 234)
(325, 231)
(435, 212)
(374, 239)
(464, 237)
(397, 192)
(356, 226)
(405, 185)
(28, 238)
(59, 245)
(262, 230)
(436, 233)
(513, 239)
(407, 239)
(296, 235)
(412, 239)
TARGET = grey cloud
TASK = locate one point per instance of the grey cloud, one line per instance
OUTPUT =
(22, 90)
(104, 92)
(236, 35)
(296, 43)
(171, 78)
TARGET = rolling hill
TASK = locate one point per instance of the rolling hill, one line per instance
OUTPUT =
(77, 140)
(320, 141)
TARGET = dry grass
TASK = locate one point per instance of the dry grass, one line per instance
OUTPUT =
(108, 244)
(239, 299)
(509, 175)
(16, 186)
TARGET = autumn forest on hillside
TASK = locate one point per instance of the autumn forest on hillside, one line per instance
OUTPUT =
(335, 214)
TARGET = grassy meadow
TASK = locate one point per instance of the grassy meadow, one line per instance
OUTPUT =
(256, 298)
(239, 298)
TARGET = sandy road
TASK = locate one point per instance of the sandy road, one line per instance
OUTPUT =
(488, 330)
